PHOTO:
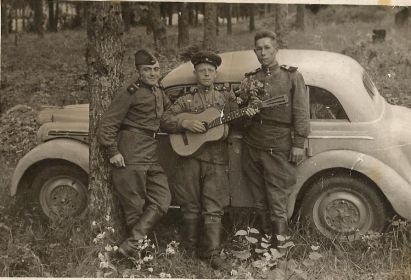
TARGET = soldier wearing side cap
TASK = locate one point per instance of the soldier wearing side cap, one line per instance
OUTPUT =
(274, 140)
(128, 132)
(202, 183)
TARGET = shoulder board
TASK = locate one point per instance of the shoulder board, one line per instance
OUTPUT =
(252, 72)
(289, 68)
(132, 88)
(193, 90)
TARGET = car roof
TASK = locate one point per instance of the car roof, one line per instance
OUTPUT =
(337, 73)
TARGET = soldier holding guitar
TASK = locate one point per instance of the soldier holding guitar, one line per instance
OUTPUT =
(202, 183)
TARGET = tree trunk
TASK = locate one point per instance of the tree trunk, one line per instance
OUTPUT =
(56, 17)
(4, 19)
(229, 17)
(217, 23)
(77, 22)
(157, 26)
(251, 11)
(190, 14)
(170, 14)
(126, 14)
(51, 14)
(196, 14)
(38, 17)
(104, 57)
(300, 24)
(210, 35)
(183, 22)
(281, 11)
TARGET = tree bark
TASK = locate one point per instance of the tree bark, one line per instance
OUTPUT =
(210, 34)
(300, 23)
(51, 14)
(104, 58)
(4, 18)
(183, 22)
(196, 14)
(38, 17)
(170, 13)
(229, 17)
(126, 14)
(281, 11)
(157, 26)
(251, 12)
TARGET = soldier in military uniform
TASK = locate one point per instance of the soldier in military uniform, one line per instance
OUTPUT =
(202, 183)
(128, 132)
(274, 140)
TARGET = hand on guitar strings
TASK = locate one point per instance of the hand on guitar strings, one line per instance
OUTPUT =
(194, 126)
(251, 111)
(118, 160)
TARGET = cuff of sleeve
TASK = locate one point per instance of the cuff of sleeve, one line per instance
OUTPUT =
(112, 150)
(180, 124)
(299, 141)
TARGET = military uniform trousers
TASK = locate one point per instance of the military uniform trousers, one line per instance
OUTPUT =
(202, 189)
(270, 177)
(141, 186)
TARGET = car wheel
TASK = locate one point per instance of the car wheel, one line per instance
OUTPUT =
(61, 191)
(343, 206)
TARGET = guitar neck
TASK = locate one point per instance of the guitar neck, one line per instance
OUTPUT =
(231, 116)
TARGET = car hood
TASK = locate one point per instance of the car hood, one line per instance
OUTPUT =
(71, 113)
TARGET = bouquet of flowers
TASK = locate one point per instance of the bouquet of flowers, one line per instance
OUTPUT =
(251, 90)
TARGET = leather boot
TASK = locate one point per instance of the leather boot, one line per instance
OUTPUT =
(143, 226)
(191, 236)
(211, 246)
(278, 228)
(263, 222)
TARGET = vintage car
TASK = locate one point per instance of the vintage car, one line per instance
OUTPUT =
(355, 175)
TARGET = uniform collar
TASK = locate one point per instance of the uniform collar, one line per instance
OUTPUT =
(202, 88)
(268, 70)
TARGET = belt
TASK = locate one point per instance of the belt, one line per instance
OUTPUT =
(272, 123)
(147, 132)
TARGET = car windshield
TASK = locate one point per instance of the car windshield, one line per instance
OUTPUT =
(369, 85)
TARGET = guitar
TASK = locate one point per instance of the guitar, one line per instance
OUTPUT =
(187, 143)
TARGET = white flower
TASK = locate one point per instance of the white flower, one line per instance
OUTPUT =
(170, 251)
(104, 265)
(115, 248)
(110, 229)
(162, 275)
(150, 269)
(108, 248)
(93, 223)
(95, 240)
(233, 272)
(101, 257)
(314, 248)
(107, 218)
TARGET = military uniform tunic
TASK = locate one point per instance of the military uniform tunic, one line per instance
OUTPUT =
(268, 139)
(128, 127)
(202, 179)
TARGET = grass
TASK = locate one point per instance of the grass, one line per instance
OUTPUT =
(51, 71)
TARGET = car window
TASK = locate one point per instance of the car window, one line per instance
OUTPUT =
(324, 105)
(175, 92)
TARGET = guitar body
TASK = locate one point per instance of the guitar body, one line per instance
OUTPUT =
(187, 143)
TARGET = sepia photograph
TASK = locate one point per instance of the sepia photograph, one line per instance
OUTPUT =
(205, 140)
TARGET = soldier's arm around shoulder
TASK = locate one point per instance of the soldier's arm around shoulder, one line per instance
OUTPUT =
(300, 109)
(170, 121)
(110, 123)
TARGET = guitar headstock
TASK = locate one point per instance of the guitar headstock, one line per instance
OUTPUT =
(274, 101)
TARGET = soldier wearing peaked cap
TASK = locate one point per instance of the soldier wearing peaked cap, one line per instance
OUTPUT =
(274, 140)
(202, 183)
(128, 132)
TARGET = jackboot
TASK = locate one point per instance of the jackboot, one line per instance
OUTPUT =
(191, 236)
(263, 222)
(278, 228)
(211, 243)
(140, 229)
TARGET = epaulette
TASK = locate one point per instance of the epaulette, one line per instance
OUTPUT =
(222, 87)
(193, 90)
(252, 72)
(133, 88)
(289, 68)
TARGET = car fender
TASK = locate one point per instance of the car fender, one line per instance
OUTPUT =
(396, 189)
(64, 149)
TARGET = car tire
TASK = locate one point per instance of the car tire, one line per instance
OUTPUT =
(61, 191)
(344, 206)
